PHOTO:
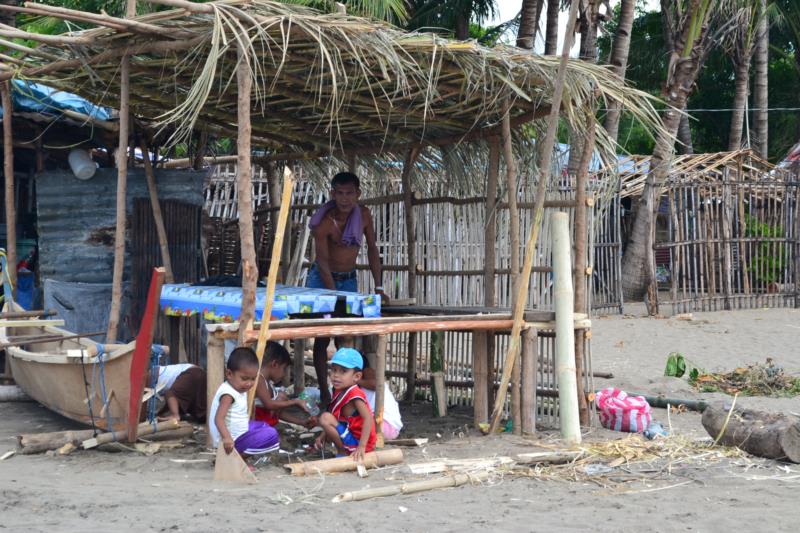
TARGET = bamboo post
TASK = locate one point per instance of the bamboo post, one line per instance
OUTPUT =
(490, 243)
(8, 171)
(299, 368)
(411, 244)
(480, 399)
(438, 390)
(157, 216)
(346, 464)
(582, 262)
(449, 480)
(244, 170)
(530, 356)
(215, 374)
(380, 389)
(545, 157)
(272, 278)
(565, 330)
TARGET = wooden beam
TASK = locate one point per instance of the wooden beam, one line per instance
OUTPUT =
(158, 218)
(380, 389)
(411, 244)
(8, 172)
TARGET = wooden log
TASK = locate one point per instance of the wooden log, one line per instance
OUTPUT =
(244, 172)
(545, 156)
(29, 314)
(480, 398)
(380, 389)
(770, 435)
(158, 218)
(530, 356)
(411, 244)
(31, 443)
(454, 480)
(272, 278)
(12, 393)
(8, 172)
(142, 430)
(215, 375)
(346, 464)
(379, 329)
(547, 457)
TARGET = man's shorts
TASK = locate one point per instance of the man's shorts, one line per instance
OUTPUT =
(348, 439)
(345, 281)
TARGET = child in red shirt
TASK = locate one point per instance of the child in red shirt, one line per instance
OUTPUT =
(349, 424)
(269, 404)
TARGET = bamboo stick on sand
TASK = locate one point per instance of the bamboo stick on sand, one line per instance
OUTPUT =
(346, 464)
(455, 480)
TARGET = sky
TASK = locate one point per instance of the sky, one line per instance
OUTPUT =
(508, 9)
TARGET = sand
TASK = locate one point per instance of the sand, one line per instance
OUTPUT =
(102, 491)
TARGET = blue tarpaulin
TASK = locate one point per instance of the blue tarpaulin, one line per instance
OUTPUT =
(37, 98)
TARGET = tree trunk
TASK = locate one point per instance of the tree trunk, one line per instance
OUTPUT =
(742, 78)
(244, 83)
(760, 84)
(462, 26)
(529, 23)
(619, 61)
(774, 436)
(685, 145)
(8, 173)
(551, 29)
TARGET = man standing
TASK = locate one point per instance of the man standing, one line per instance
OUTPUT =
(338, 228)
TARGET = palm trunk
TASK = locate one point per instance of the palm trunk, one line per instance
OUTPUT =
(462, 26)
(760, 84)
(588, 53)
(742, 77)
(685, 145)
(551, 30)
(529, 23)
(619, 61)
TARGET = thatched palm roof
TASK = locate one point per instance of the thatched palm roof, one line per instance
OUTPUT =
(324, 84)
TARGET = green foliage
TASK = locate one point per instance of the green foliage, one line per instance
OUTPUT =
(676, 365)
(770, 257)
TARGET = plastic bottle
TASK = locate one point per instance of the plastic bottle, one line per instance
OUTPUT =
(654, 429)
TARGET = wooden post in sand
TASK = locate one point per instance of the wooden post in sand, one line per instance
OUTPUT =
(480, 397)
(8, 172)
(215, 374)
(411, 244)
(158, 218)
(545, 157)
(530, 360)
(244, 171)
(489, 272)
(380, 389)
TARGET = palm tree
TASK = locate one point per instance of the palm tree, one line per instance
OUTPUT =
(761, 83)
(690, 35)
(551, 28)
(529, 23)
(451, 15)
(619, 60)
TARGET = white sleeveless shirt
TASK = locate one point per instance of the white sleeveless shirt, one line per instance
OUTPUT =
(236, 420)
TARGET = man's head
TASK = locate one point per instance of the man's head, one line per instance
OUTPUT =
(345, 191)
(277, 359)
(346, 368)
(242, 369)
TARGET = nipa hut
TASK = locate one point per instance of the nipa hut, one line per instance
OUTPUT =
(442, 126)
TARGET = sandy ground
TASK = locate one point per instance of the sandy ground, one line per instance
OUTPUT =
(103, 491)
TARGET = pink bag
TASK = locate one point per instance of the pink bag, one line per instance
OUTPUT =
(621, 412)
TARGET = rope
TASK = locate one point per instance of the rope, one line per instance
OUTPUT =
(99, 375)
(152, 403)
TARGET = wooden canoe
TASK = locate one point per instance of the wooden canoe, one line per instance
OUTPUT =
(52, 373)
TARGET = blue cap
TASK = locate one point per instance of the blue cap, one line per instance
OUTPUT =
(348, 358)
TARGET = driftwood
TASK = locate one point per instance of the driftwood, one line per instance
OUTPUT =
(770, 435)
(31, 443)
(346, 464)
(142, 430)
(454, 480)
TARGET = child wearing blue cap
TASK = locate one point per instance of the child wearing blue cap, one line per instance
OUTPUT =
(349, 423)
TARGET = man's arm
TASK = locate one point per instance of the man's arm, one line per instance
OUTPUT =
(323, 255)
(373, 255)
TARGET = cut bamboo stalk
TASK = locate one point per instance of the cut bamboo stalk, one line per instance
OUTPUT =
(244, 84)
(158, 218)
(481, 391)
(143, 430)
(545, 157)
(454, 480)
(8, 172)
(28, 314)
(346, 464)
(122, 189)
(530, 355)
(380, 390)
(215, 376)
(272, 278)
(411, 239)
(565, 339)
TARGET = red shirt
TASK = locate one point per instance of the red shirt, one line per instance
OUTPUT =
(354, 422)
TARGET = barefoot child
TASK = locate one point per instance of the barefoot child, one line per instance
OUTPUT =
(231, 424)
(183, 387)
(349, 424)
(270, 405)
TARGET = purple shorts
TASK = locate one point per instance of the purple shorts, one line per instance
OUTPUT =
(260, 438)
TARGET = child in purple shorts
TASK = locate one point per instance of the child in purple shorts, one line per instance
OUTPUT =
(231, 424)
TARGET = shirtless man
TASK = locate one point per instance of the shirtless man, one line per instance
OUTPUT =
(338, 228)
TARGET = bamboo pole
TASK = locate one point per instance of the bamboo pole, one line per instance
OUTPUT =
(244, 82)
(452, 480)
(530, 356)
(8, 172)
(380, 389)
(299, 365)
(122, 189)
(490, 267)
(411, 243)
(545, 157)
(215, 375)
(157, 216)
(346, 464)
(480, 399)
(565, 338)
(272, 278)
(437, 358)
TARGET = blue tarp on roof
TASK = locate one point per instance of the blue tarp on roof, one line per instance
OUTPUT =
(37, 98)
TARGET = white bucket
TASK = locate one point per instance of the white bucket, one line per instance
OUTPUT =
(81, 164)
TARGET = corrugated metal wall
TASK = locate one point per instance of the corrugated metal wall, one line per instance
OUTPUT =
(76, 219)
